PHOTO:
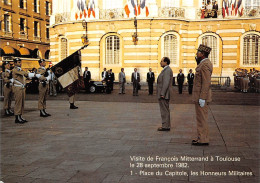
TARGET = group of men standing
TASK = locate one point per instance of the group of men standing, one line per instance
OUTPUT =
(180, 81)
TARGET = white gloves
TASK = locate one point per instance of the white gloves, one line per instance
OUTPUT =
(38, 75)
(202, 102)
(31, 75)
(48, 77)
(12, 80)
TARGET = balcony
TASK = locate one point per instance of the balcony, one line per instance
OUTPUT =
(252, 13)
(204, 14)
(110, 14)
(172, 12)
(62, 17)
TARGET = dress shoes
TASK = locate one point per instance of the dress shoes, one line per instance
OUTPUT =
(11, 112)
(196, 143)
(72, 106)
(18, 119)
(46, 113)
(163, 129)
(42, 114)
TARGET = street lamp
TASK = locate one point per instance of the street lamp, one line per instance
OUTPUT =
(134, 36)
(84, 38)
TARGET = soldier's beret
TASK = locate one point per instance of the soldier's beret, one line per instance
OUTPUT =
(41, 60)
(204, 48)
(17, 59)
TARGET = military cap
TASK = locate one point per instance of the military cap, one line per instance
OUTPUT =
(204, 48)
(41, 60)
(16, 60)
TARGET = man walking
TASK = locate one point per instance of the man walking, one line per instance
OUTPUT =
(121, 79)
(190, 80)
(164, 83)
(87, 78)
(150, 81)
(135, 79)
(202, 94)
(180, 80)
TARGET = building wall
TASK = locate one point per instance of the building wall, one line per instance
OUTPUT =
(187, 25)
(15, 39)
(148, 52)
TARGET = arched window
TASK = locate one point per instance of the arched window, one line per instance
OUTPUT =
(211, 41)
(112, 50)
(251, 49)
(63, 48)
(171, 48)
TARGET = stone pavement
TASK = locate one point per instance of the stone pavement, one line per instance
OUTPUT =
(96, 142)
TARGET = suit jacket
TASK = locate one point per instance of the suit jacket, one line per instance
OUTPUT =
(102, 75)
(164, 83)
(150, 79)
(180, 78)
(112, 77)
(202, 81)
(87, 75)
(121, 77)
(190, 78)
(133, 79)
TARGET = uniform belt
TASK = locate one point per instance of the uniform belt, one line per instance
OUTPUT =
(19, 84)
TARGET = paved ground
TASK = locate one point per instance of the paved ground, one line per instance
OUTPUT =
(96, 142)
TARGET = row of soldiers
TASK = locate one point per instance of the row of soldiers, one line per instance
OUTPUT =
(14, 83)
(244, 79)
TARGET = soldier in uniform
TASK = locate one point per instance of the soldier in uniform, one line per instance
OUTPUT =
(43, 87)
(8, 82)
(202, 94)
(19, 90)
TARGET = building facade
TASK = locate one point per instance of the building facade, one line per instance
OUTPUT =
(24, 30)
(138, 33)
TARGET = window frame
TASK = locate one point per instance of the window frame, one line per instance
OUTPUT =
(217, 47)
(61, 48)
(172, 64)
(114, 39)
(7, 25)
(242, 49)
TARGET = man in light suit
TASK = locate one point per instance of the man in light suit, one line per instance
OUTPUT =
(135, 79)
(150, 81)
(201, 95)
(121, 79)
(164, 86)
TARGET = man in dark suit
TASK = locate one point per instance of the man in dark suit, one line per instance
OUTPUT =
(108, 82)
(180, 80)
(135, 79)
(190, 80)
(104, 74)
(164, 85)
(87, 78)
(150, 80)
(112, 79)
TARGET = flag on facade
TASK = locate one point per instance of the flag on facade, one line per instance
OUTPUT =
(127, 11)
(67, 72)
(134, 7)
(223, 8)
(227, 6)
(91, 9)
(239, 8)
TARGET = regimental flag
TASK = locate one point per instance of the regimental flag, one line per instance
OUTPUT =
(67, 72)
